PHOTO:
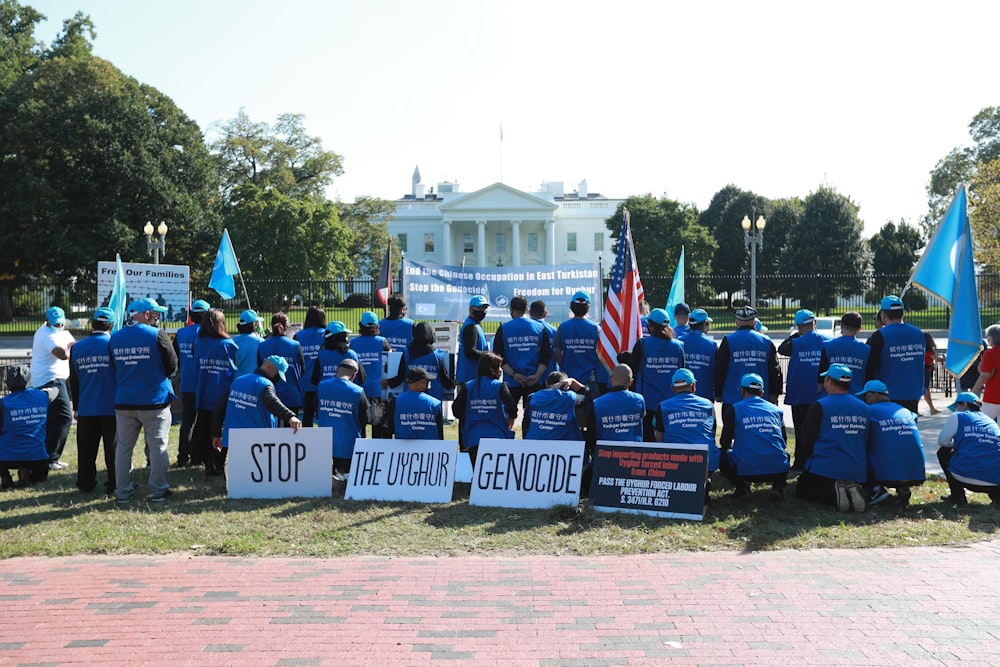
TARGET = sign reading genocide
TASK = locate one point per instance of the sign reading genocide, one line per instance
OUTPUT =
(276, 463)
(407, 470)
(660, 479)
(527, 473)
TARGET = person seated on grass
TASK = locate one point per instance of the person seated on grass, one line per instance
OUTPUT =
(895, 453)
(22, 430)
(754, 441)
(835, 433)
(484, 406)
(552, 413)
(344, 407)
(970, 451)
(415, 414)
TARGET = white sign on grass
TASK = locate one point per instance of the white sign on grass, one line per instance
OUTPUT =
(406, 470)
(276, 463)
(527, 473)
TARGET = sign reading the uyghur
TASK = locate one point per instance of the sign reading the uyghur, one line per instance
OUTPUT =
(167, 284)
(438, 292)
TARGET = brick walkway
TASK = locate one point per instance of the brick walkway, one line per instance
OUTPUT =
(920, 606)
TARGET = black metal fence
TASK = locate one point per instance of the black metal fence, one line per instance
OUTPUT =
(23, 302)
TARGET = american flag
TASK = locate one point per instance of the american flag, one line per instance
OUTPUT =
(621, 325)
(383, 288)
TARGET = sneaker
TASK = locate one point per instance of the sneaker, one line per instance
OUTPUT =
(162, 497)
(58, 465)
(903, 493)
(843, 501)
(955, 499)
(856, 498)
(879, 495)
(123, 500)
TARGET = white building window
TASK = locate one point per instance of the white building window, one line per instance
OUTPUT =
(571, 242)
(402, 242)
(598, 241)
(501, 242)
(467, 243)
(429, 242)
(532, 242)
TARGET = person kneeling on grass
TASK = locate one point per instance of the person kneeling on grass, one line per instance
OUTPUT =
(895, 453)
(252, 402)
(836, 432)
(970, 451)
(754, 440)
(22, 429)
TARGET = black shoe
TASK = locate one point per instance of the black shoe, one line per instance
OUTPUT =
(161, 497)
(742, 489)
(182, 463)
(955, 499)
(903, 493)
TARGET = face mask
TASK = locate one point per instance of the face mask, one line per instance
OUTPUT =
(477, 315)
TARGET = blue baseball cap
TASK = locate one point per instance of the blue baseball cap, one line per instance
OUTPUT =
(368, 319)
(247, 317)
(104, 315)
(581, 297)
(682, 377)
(478, 301)
(804, 317)
(874, 386)
(659, 316)
(838, 372)
(965, 397)
(336, 327)
(759, 326)
(200, 306)
(280, 363)
(698, 316)
(55, 316)
(145, 305)
(892, 302)
(751, 381)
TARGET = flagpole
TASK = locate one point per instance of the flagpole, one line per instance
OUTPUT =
(599, 297)
(246, 294)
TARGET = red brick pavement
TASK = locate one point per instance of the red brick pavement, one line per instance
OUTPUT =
(920, 606)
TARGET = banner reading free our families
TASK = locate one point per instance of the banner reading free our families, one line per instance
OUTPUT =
(439, 292)
(167, 284)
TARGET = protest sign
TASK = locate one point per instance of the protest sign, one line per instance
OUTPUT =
(276, 463)
(167, 284)
(420, 471)
(527, 473)
(660, 479)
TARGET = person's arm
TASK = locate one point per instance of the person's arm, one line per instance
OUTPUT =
(946, 438)
(721, 367)
(439, 420)
(557, 347)
(499, 344)
(61, 352)
(786, 345)
(824, 364)
(364, 409)
(986, 371)
(166, 352)
(458, 405)
(511, 405)
(635, 358)
(469, 339)
(400, 375)
(447, 381)
(219, 419)
(875, 342)
(728, 427)
(774, 379)
(658, 428)
(389, 419)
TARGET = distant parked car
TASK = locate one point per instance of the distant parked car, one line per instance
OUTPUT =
(828, 327)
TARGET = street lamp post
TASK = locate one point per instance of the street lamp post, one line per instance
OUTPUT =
(753, 238)
(155, 246)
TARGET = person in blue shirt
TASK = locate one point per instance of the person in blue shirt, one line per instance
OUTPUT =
(538, 312)
(335, 349)
(835, 434)
(682, 316)
(247, 340)
(144, 359)
(252, 402)
(897, 355)
(553, 413)
(618, 413)
(343, 407)
(969, 451)
(524, 346)
(746, 351)
(804, 348)
(576, 346)
(371, 348)
(895, 452)
(422, 353)
(654, 359)
(471, 340)
(215, 362)
(289, 386)
(484, 406)
(22, 429)
(699, 353)
(688, 418)
(396, 327)
(92, 387)
(310, 337)
(846, 349)
(754, 442)
(184, 341)
(415, 414)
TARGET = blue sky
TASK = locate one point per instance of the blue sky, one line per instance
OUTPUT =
(635, 97)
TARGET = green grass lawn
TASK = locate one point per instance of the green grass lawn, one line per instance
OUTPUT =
(54, 518)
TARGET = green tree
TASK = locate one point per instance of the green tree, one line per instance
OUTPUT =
(731, 263)
(368, 220)
(660, 227)
(782, 218)
(826, 240)
(19, 50)
(984, 214)
(75, 39)
(894, 251)
(90, 155)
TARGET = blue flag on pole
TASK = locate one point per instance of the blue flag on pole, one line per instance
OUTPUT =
(225, 268)
(676, 295)
(948, 271)
(117, 302)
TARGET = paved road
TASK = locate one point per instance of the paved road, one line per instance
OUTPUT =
(917, 606)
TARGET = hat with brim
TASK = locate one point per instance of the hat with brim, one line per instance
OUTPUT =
(698, 316)
(838, 373)
(280, 363)
(55, 316)
(751, 381)
(416, 374)
(965, 397)
(146, 305)
(682, 377)
(875, 387)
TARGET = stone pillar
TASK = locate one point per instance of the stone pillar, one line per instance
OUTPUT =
(550, 241)
(515, 242)
(481, 242)
(446, 242)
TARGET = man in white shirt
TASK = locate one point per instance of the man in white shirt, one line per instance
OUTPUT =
(50, 369)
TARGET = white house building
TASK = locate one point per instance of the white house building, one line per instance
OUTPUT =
(503, 226)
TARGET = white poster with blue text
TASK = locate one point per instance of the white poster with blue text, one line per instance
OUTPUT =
(167, 284)
(441, 292)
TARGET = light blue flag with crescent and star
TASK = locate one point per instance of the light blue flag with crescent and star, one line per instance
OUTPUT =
(117, 303)
(225, 268)
(947, 270)
(676, 295)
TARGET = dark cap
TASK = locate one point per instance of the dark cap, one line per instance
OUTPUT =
(416, 374)
(18, 377)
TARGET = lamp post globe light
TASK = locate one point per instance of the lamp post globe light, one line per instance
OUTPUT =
(753, 238)
(155, 246)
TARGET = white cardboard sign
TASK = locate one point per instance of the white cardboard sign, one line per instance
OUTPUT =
(276, 463)
(420, 471)
(527, 473)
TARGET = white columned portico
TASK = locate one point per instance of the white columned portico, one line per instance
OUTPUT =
(481, 242)
(515, 242)
(446, 242)
(550, 241)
